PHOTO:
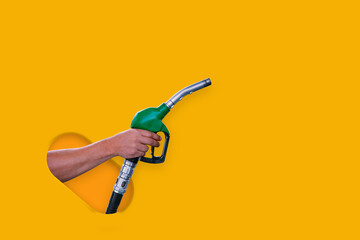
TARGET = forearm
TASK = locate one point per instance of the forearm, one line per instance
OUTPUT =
(69, 163)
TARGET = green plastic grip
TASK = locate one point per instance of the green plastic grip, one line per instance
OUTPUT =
(150, 119)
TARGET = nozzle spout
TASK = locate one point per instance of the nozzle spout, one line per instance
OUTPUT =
(188, 90)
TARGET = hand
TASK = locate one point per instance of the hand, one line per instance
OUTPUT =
(132, 143)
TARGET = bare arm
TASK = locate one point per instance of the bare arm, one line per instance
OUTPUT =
(69, 163)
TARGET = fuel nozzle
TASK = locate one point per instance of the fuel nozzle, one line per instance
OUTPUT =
(149, 119)
(188, 90)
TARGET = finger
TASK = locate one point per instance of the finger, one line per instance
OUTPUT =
(150, 134)
(149, 141)
(142, 147)
(156, 137)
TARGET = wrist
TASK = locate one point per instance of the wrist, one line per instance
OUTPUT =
(108, 147)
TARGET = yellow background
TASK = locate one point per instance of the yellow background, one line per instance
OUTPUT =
(269, 151)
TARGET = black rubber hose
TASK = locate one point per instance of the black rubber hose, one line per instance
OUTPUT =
(114, 202)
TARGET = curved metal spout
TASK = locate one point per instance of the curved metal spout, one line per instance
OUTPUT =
(188, 90)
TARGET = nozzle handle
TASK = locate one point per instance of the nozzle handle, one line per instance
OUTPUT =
(158, 159)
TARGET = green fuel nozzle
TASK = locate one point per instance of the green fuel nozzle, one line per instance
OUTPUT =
(149, 119)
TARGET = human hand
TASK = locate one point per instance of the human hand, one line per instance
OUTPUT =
(132, 143)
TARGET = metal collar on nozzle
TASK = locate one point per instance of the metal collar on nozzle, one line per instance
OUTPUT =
(188, 90)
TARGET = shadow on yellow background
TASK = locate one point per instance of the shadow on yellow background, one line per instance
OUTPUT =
(95, 186)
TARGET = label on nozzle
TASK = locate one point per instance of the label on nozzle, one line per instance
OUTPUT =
(123, 180)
